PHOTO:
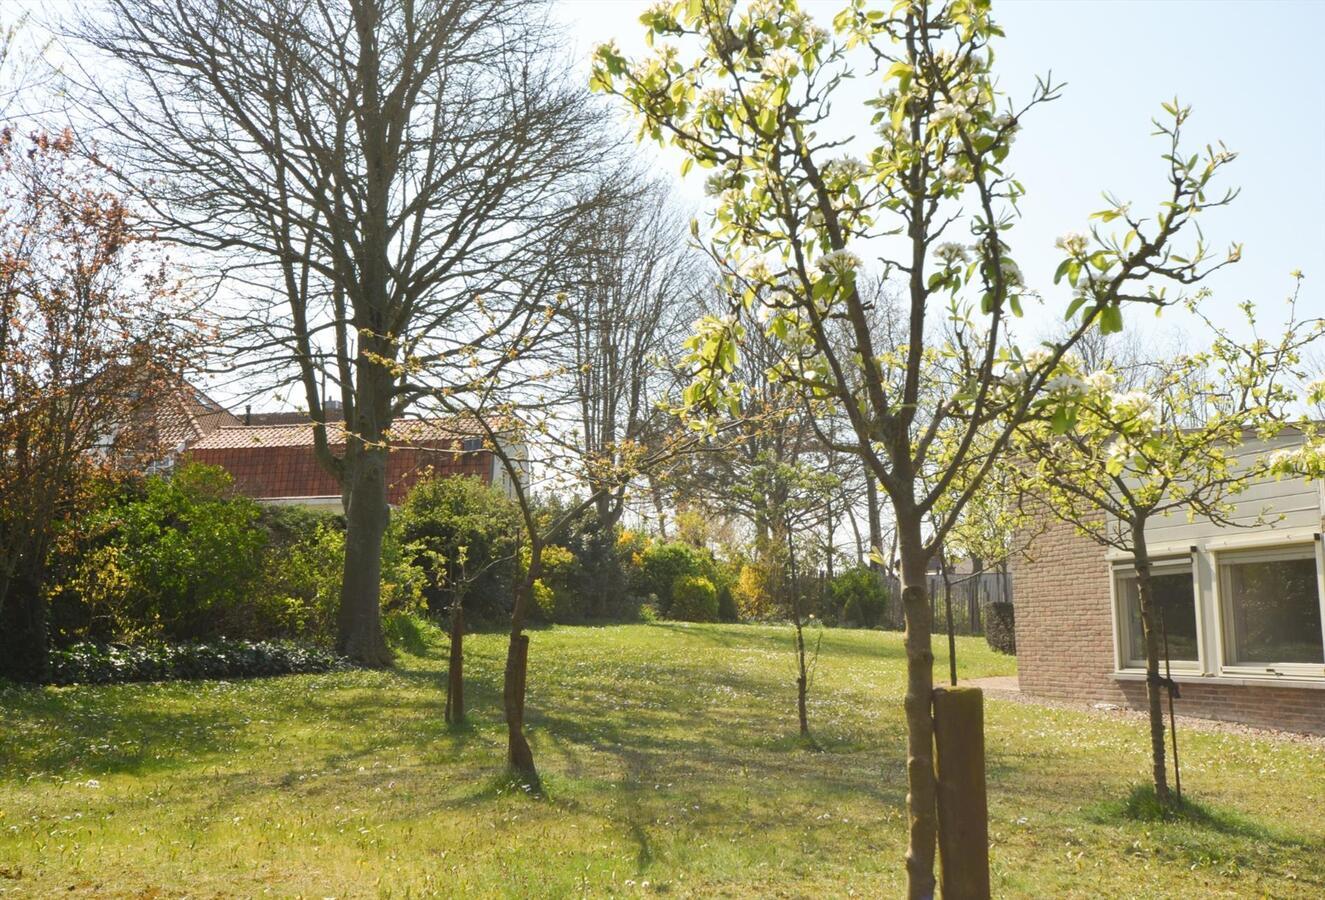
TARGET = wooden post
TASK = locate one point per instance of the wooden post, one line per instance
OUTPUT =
(959, 762)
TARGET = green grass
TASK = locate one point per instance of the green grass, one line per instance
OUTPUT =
(669, 757)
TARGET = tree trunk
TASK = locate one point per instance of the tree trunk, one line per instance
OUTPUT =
(947, 609)
(455, 671)
(1154, 702)
(656, 490)
(519, 756)
(359, 621)
(797, 618)
(921, 798)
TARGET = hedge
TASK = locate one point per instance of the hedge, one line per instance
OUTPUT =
(114, 663)
(1000, 632)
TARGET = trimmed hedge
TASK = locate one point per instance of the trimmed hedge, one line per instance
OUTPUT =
(1000, 632)
(116, 663)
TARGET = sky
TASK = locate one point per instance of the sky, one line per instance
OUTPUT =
(1249, 70)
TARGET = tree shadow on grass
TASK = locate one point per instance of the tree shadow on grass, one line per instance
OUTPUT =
(1141, 805)
(105, 730)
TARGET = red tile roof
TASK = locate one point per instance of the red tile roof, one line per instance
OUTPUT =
(436, 434)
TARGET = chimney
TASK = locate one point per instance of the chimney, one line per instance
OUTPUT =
(248, 414)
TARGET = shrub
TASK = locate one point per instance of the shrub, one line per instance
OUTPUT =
(178, 558)
(302, 572)
(461, 533)
(1000, 630)
(694, 599)
(88, 663)
(662, 566)
(753, 593)
(555, 596)
(858, 597)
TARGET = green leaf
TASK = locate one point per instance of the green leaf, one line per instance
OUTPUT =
(1111, 320)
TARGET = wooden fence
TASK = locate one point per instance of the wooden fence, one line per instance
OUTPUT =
(969, 595)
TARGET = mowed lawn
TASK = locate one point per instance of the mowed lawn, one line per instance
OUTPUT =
(670, 764)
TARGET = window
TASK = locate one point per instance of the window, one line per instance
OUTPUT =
(1271, 609)
(1174, 604)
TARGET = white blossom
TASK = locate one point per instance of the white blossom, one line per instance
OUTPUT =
(781, 63)
(716, 183)
(945, 112)
(715, 96)
(755, 269)
(840, 262)
(952, 252)
(1136, 407)
(1101, 382)
(1069, 385)
(847, 168)
(1074, 242)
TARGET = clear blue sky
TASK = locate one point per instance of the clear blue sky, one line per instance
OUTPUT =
(1250, 70)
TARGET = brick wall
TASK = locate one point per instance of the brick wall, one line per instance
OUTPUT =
(1065, 644)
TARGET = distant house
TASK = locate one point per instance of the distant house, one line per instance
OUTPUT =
(271, 458)
(275, 463)
(1244, 609)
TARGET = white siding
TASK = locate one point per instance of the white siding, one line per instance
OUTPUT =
(1279, 505)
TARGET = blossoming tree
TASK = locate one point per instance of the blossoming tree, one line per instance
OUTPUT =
(751, 92)
(1173, 442)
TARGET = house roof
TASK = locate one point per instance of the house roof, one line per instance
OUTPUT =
(404, 431)
(187, 414)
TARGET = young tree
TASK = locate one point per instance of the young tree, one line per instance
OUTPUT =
(750, 92)
(93, 334)
(378, 180)
(1112, 463)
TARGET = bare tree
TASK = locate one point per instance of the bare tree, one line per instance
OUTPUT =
(378, 181)
(634, 301)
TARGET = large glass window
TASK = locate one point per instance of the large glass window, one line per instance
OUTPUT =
(1271, 606)
(1174, 605)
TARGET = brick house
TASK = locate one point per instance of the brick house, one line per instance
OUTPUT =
(270, 455)
(271, 458)
(1243, 607)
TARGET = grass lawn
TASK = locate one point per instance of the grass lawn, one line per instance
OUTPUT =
(671, 766)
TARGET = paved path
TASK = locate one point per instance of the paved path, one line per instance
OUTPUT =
(997, 684)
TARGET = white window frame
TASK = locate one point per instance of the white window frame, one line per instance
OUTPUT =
(1284, 551)
(1120, 570)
